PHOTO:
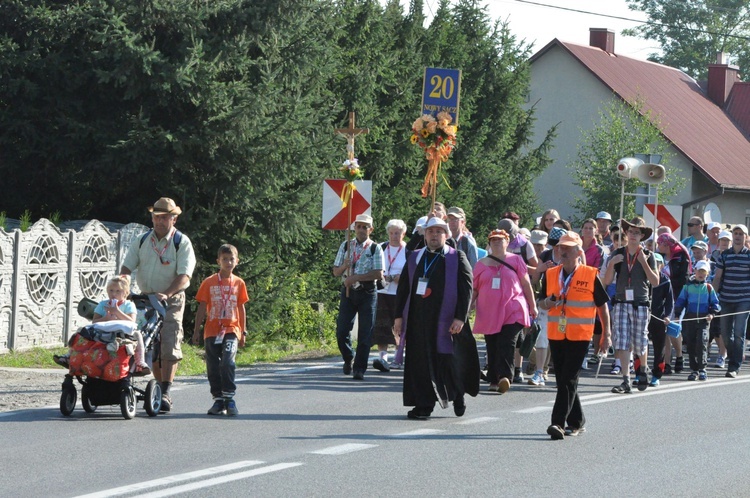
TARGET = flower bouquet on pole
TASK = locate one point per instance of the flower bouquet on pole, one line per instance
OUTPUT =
(437, 138)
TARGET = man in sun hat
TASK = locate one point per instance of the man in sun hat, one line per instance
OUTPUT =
(633, 268)
(165, 261)
(360, 268)
(732, 282)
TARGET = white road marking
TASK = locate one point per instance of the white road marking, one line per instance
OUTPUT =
(220, 480)
(477, 420)
(607, 397)
(418, 432)
(343, 449)
(171, 479)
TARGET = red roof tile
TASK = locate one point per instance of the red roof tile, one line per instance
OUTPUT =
(697, 127)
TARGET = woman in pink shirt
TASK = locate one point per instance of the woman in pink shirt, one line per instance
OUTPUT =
(504, 302)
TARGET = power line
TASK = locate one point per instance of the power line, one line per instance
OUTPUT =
(650, 23)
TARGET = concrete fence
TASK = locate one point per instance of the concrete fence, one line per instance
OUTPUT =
(44, 273)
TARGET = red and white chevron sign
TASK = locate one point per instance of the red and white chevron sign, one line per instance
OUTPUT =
(335, 216)
(666, 216)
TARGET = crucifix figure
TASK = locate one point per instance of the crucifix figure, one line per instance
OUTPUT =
(350, 133)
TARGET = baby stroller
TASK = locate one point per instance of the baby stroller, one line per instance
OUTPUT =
(104, 367)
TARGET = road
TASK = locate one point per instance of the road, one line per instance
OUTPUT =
(305, 429)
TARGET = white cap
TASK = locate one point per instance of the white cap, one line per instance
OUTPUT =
(713, 225)
(741, 227)
(725, 234)
(420, 224)
(438, 222)
(702, 265)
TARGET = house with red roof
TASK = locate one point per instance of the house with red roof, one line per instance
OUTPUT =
(707, 126)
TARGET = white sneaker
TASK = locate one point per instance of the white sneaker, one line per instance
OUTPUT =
(720, 362)
(537, 379)
(585, 365)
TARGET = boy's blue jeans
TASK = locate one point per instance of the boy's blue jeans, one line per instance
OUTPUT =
(220, 366)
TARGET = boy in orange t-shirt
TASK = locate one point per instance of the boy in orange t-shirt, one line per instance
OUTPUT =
(222, 299)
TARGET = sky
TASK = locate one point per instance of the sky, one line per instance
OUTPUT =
(540, 24)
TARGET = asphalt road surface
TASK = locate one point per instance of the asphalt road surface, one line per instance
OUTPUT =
(305, 429)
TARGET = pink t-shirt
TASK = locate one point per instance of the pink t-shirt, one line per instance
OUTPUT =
(503, 306)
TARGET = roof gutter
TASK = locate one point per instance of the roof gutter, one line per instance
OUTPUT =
(704, 198)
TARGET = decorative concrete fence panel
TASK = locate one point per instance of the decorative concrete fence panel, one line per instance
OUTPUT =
(44, 274)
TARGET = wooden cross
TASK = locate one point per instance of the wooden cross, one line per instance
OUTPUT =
(350, 133)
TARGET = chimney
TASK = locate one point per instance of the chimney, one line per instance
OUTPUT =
(721, 78)
(602, 38)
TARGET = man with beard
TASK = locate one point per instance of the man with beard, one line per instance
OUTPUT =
(432, 308)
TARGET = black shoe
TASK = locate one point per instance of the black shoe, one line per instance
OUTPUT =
(623, 388)
(556, 432)
(418, 413)
(347, 367)
(358, 375)
(678, 364)
(459, 406)
(381, 365)
(667, 369)
(166, 404)
(732, 374)
(62, 360)
(642, 381)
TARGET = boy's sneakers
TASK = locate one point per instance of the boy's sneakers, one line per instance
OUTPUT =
(702, 375)
(218, 407)
(654, 382)
(623, 388)
(693, 376)
(231, 408)
(719, 362)
(537, 379)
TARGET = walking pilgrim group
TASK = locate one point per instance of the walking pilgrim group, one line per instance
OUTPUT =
(552, 288)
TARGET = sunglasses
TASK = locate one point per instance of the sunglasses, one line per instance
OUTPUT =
(694, 224)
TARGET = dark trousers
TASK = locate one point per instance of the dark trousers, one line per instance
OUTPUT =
(733, 330)
(220, 366)
(695, 337)
(568, 358)
(500, 350)
(362, 303)
(657, 331)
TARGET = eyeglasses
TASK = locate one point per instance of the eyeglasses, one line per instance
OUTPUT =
(694, 225)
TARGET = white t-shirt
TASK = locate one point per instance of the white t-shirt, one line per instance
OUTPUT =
(395, 260)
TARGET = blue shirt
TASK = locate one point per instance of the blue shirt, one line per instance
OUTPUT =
(735, 279)
(127, 307)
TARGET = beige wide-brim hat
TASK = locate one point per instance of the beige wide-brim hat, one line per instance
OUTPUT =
(165, 205)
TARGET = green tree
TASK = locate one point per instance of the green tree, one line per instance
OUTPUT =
(622, 131)
(691, 32)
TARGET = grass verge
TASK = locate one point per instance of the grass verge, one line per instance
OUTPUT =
(192, 362)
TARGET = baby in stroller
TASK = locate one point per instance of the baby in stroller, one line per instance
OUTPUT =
(117, 307)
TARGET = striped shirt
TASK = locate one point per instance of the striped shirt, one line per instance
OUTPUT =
(735, 279)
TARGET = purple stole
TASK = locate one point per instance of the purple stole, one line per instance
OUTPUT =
(447, 307)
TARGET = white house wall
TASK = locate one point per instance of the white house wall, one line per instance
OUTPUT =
(563, 91)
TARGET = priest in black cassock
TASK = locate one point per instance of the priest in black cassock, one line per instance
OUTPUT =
(432, 309)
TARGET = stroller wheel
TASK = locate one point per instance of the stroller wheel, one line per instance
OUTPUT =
(86, 400)
(68, 400)
(127, 403)
(152, 398)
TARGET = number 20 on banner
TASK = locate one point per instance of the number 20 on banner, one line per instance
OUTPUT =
(441, 91)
